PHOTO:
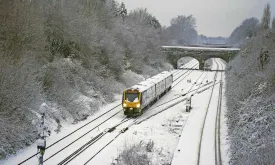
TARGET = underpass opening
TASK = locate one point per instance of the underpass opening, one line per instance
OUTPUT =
(187, 63)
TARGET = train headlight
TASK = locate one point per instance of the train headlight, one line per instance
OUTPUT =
(138, 105)
(124, 105)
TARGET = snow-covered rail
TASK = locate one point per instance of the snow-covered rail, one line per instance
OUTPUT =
(91, 142)
(218, 157)
(209, 145)
(70, 134)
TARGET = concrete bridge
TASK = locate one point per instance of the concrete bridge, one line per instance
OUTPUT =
(174, 53)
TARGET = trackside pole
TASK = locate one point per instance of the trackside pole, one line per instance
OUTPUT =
(188, 103)
(41, 142)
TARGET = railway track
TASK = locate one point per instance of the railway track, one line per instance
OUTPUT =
(101, 135)
(184, 72)
(200, 84)
(91, 142)
(104, 121)
(182, 78)
(93, 128)
(190, 64)
(180, 99)
(119, 134)
(204, 149)
(63, 138)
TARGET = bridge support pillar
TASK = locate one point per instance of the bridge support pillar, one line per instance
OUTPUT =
(201, 66)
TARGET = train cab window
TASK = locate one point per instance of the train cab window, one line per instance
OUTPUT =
(131, 97)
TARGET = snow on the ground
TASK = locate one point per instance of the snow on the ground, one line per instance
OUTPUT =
(190, 64)
(29, 151)
(208, 137)
(188, 147)
(174, 131)
(225, 154)
(164, 129)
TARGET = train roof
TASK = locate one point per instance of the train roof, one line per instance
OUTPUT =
(142, 86)
(158, 78)
(146, 84)
(166, 73)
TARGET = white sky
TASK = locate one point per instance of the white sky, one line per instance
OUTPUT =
(214, 17)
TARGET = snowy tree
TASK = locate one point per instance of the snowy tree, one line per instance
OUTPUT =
(122, 11)
(69, 54)
(265, 24)
(182, 30)
(248, 29)
(142, 38)
(273, 24)
(112, 7)
(250, 104)
(142, 16)
(155, 23)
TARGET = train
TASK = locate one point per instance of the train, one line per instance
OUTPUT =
(141, 96)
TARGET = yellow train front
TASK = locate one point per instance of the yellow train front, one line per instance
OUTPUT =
(131, 102)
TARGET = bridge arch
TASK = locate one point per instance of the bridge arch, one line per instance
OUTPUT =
(210, 62)
(174, 53)
(183, 60)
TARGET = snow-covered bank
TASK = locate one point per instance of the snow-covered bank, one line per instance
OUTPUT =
(67, 129)
(250, 101)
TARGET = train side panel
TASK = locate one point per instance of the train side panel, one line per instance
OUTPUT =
(169, 81)
(160, 87)
(152, 91)
(163, 86)
(148, 96)
(143, 100)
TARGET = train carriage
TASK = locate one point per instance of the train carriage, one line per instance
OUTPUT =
(168, 79)
(142, 95)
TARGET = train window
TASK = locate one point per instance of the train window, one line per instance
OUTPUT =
(131, 97)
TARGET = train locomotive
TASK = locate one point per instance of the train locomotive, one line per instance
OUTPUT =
(139, 97)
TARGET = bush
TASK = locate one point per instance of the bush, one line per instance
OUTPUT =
(19, 92)
(136, 154)
(150, 146)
